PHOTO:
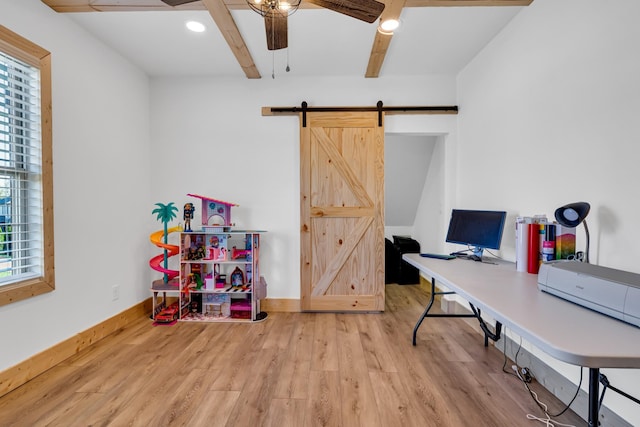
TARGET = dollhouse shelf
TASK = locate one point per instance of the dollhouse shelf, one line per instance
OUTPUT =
(219, 278)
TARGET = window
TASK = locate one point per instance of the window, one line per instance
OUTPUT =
(26, 178)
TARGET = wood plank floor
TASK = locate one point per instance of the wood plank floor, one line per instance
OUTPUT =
(294, 369)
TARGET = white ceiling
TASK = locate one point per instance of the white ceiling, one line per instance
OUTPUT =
(431, 40)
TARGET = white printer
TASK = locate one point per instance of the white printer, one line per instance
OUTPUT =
(615, 293)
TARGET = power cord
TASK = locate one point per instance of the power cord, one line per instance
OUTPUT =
(525, 376)
(606, 384)
(471, 249)
(523, 373)
(548, 421)
(492, 254)
(504, 352)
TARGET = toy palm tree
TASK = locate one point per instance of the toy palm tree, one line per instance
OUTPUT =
(165, 213)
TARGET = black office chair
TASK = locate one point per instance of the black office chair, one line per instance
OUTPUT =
(396, 269)
(391, 262)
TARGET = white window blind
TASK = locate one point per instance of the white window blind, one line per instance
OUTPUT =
(21, 208)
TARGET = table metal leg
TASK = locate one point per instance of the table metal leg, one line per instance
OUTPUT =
(425, 312)
(430, 304)
(594, 396)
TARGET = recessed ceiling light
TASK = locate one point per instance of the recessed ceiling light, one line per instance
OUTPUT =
(387, 27)
(195, 26)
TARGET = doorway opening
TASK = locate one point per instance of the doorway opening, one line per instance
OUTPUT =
(414, 189)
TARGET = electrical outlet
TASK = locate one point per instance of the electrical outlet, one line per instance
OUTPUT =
(524, 373)
(115, 292)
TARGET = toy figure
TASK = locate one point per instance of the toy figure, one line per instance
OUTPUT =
(195, 282)
(188, 215)
(200, 254)
(195, 253)
(237, 277)
(216, 252)
(240, 253)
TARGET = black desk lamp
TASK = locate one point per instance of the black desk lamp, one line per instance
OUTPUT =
(572, 215)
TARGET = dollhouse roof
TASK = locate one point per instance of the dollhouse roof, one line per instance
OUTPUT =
(209, 199)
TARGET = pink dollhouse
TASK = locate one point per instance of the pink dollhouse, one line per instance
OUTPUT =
(215, 213)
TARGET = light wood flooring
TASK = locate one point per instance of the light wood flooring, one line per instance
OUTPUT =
(294, 369)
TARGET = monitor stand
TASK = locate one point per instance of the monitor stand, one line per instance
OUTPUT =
(477, 252)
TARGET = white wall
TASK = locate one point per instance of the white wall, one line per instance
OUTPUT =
(101, 185)
(429, 227)
(549, 115)
(406, 164)
(208, 137)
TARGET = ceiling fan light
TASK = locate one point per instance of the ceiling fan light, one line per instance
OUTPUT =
(269, 7)
(388, 26)
(195, 26)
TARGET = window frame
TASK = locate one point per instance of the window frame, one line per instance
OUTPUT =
(24, 50)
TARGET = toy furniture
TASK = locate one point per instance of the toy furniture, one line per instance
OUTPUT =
(215, 212)
(213, 286)
(219, 275)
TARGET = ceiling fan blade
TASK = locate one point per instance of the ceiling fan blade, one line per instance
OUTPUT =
(177, 2)
(275, 25)
(364, 10)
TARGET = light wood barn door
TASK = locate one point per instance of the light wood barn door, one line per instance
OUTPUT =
(342, 212)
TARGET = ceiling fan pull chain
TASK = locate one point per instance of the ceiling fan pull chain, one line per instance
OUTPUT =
(273, 43)
(287, 69)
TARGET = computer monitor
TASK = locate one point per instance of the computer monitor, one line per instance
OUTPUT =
(477, 229)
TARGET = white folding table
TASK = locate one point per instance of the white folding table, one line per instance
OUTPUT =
(565, 331)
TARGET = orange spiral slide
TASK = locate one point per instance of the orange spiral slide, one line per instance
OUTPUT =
(156, 261)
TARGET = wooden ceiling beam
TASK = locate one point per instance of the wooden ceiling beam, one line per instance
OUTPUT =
(71, 6)
(379, 50)
(223, 19)
(381, 42)
(460, 3)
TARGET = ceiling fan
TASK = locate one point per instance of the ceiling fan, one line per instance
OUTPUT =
(276, 12)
